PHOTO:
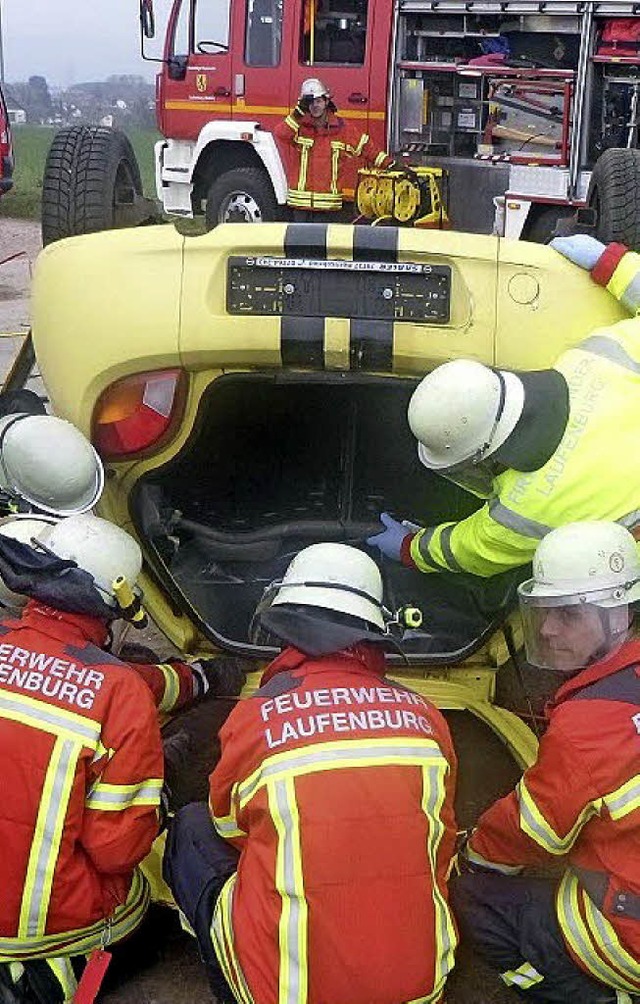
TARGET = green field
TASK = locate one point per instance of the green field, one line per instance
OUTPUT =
(31, 144)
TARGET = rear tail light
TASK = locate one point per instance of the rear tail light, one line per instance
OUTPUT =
(138, 412)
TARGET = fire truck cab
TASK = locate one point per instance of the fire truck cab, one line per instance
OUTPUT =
(516, 100)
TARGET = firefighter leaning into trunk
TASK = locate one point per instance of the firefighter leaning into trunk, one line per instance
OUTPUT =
(542, 448)
(82, 759)
(316, 142)
(576, 938)
(325, 876)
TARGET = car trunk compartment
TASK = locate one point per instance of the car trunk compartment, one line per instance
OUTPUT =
(279, 461)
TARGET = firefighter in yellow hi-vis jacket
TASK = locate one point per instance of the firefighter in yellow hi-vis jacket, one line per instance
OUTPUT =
(541, 448)
(316, 142)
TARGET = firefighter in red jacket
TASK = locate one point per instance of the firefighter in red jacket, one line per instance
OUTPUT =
(577, 938)
(82, 758)
(174, 684)
(316, 143)
(325, 878)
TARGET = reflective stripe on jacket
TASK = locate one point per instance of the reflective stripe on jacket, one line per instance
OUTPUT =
(591, 475)
(337, 786)
(315, 157)
(582, 799)
(172, 684)
(81, 778)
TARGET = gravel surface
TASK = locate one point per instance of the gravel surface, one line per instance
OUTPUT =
(22, 238)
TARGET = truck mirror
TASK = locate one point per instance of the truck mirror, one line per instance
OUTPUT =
(177, 67)
(147, 19)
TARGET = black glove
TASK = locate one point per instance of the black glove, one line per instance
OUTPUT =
(224, 676)
(177, 751)
(463, 865)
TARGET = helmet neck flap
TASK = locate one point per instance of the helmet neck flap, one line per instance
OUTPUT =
(58, 582)
(317, 631)
(541, 425)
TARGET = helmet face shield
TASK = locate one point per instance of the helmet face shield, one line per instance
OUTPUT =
(474, 477)
(568, 633)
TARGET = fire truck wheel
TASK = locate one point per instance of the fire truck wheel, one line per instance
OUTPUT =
(244, 195)
(91, 176)
(614, 194)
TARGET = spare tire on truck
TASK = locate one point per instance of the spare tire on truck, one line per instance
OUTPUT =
(91, 182)
(614, 195)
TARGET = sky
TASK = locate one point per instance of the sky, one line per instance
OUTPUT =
(71, 41)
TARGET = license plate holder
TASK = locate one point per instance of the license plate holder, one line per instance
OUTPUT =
(370, 290)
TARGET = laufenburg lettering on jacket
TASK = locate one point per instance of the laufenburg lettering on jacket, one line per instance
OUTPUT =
(362, 719)
(48, 675)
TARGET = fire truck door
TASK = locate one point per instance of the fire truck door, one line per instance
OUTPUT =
(335, 42)
(263, 39)
(196, 85)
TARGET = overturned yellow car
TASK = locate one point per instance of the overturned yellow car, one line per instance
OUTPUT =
(247, 390)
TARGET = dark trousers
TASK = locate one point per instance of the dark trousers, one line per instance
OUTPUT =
(512, 922)
(197, 863)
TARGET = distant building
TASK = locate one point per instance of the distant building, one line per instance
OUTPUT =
(17, 116)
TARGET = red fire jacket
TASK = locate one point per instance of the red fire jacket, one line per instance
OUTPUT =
(80, 785)
(582, 799)
(337, 786)
(315, 158)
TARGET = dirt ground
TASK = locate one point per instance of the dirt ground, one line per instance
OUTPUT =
(161, 965)
(20, 238)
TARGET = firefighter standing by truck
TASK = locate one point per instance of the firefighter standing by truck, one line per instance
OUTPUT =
(577, 938)
(336, 787)
(316, 144)
(81, 753)
(541, 448)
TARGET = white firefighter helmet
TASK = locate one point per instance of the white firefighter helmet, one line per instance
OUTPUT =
(98, 547)
(49, 464)
(582, 562)
(334, 577)
(314, 88)
(25, 528)
(576, 568)
(462, 411)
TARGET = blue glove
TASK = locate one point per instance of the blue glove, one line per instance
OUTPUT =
(390, 541)
(581, 249)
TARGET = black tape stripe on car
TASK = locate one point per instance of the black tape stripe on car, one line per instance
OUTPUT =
(370, 344)
(302, 338)
(305, 240)
(302, 341)
(375, 244)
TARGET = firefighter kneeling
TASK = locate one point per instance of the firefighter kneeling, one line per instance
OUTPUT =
(82, 757)
(577, 938)
(322, 876)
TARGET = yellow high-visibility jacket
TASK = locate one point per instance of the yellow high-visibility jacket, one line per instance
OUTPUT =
(593, 473)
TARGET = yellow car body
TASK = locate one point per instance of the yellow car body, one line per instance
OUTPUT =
(294, 397)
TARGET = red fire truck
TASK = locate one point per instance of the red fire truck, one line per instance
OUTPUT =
(6, 149)
(516, 100)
